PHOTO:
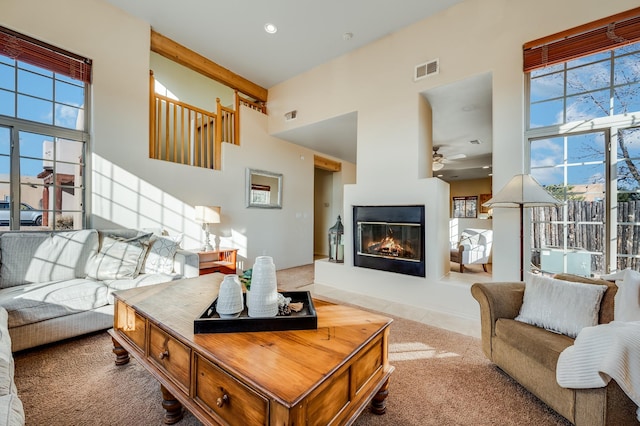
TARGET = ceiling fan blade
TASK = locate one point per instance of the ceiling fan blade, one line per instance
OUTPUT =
(437, 166)
(456, 156)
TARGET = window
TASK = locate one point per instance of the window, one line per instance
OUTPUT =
(465, 206)
(43, 134)
(260, 194)
(596, 86)
(585, 149)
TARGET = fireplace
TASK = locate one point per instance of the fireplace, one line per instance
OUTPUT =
(389, 238)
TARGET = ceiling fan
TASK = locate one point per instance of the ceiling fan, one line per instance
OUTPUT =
(439, 160)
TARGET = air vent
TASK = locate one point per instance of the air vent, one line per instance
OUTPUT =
(291, 115)
(427, 69)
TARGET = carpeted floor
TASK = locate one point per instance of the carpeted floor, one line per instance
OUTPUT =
(441, 378)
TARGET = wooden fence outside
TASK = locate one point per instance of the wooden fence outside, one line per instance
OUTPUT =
(585, 230)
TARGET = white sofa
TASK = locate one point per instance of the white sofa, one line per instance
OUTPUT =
(11, 410)
(57, 285)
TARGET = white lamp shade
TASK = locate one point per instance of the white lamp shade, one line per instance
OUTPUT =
(436, 165)
(522, 190)
(207, 214)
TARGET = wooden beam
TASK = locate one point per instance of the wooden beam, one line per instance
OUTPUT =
(176, 52)
(326, 164)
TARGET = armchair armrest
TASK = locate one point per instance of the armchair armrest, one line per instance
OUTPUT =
(186, 263)
(497, 300)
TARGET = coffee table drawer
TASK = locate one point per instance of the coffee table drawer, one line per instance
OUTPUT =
(218, 392)
(171, 356)
(132, 325)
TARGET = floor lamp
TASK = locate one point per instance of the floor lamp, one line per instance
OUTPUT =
(520, 192)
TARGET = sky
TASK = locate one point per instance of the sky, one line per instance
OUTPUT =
(42, 97)
(578, 159)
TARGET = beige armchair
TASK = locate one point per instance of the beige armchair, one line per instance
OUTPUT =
(529, 355)
(473, 247)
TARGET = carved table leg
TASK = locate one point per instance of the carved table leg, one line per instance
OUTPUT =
(122, 356)
(172, 406)
(379, 402)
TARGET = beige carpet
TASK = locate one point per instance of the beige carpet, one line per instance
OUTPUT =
(441, 378)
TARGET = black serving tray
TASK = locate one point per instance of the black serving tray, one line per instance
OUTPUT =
(210, 322)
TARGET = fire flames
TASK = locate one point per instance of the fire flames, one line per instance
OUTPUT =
(388, 247)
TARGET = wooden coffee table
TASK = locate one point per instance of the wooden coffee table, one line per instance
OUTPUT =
(306, 377)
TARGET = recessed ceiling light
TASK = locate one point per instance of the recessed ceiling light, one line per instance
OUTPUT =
(270, 28)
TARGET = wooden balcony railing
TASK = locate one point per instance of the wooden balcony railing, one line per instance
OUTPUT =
(185, 134)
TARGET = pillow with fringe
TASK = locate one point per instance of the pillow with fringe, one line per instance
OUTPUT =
(563, 307)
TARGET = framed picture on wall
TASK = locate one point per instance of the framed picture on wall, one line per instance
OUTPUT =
(483, 199)
(465, 206)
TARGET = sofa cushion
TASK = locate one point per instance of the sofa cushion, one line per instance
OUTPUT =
(62, 256)
(7, 368)
(161, 255)
(542, 345)
(42, 301)
(11, 410)
(118, 258)
(561, 306)
(140, 281)
(18, 249)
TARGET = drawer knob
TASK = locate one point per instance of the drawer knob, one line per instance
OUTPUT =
(164, 355)
(222, 400)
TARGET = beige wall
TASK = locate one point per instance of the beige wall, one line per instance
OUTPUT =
(188, 86)
(127, 189)
(470, 38)
(468, 188)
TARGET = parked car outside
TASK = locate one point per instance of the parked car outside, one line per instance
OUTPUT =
(28, 215)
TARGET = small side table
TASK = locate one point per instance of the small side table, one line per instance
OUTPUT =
(221, 260)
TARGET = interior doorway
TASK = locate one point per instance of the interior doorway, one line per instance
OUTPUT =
(322, 210)
(327, 204)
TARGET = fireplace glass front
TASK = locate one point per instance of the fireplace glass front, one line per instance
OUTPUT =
(400, 241)
(389, 238)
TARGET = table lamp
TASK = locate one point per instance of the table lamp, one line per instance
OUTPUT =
(207, 215)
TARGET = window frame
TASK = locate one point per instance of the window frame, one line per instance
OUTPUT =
(609, 125)
(17, 125)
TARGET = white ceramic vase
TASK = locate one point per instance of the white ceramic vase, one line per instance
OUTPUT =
(230, 302)
(262, 300)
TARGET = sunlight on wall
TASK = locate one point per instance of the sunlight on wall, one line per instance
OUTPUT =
(415, 350)
(238, 240)
(454, 232)
(125, 200)
(162, 90)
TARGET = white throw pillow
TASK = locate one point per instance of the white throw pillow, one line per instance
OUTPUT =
(62, 256)
(161, 255)
(118, 258)
(560, 306)
(627, 300)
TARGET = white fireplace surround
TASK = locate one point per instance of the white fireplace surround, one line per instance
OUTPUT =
(441, 302)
